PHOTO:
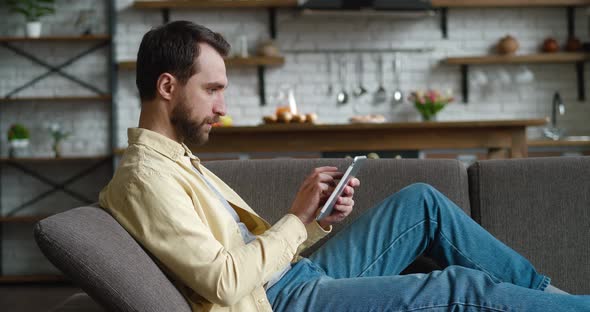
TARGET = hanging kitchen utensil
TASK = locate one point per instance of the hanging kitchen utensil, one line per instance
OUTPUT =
(360, 89)
(330, 89)
(380, 95)
(398, 95)
(342, 96)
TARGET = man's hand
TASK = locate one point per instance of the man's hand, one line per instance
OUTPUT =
(312, 192)
(343, 206)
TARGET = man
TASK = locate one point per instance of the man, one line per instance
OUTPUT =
(223, 257)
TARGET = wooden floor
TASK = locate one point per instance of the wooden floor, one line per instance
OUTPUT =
(33, 297)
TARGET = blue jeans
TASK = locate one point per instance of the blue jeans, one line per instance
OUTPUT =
(358, 269)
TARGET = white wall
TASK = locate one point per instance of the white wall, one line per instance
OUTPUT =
(471, 32)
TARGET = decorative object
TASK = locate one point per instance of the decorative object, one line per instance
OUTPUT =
(550, 45)
(429, 103)
(370, 118)
(86, 21)
(32, 10)
(268, 48)
(58, 134)
(508, 45)
(18, 141)
(573, 44)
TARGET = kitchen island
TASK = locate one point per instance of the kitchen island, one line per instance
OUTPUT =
(501, 138)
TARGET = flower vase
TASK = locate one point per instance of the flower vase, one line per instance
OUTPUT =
(33, 29)
(18, 148)
(426, 117)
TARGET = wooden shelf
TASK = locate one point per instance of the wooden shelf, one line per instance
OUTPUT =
(41, 278)
(558, 143)
(54, 159)
(562, 57)
(57, 38)
(215, 4)
(127, 65)
(22, 219)
(255, 61)
(507, 3)
(57, 99)
(229, 62)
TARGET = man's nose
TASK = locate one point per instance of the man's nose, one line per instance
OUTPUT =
(219, 106)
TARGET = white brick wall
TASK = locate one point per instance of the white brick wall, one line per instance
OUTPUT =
(471, 32)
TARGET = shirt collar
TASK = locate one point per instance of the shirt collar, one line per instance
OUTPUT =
(159, 143)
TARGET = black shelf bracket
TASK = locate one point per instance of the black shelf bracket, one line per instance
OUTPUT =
(261, 85)
(272, 23)
(55, 186)
(581, 81)
(54, 69)
(444, 22)
(165, 15)
(465, 82)
(571, 21)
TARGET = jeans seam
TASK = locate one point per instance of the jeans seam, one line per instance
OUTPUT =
(386, 250)
(455, 303)
(474, 263)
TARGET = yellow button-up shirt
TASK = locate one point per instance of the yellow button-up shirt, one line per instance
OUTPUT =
(168, 208)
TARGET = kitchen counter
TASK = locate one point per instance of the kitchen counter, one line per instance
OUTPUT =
(501, 138)
(559, 143)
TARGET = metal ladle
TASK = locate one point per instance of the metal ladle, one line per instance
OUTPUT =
(398, 95)
(342, 96)
(359, 90)
(330, 89)
(380, 95)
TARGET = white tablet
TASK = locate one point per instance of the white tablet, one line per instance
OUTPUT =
(350, 173)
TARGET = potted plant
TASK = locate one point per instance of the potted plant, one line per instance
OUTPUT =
(18, 140)
(58, 134)
(32, 10)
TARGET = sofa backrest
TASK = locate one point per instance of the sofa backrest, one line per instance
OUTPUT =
(269, 186)
(541, 208)
(92, 249)
(97, 254)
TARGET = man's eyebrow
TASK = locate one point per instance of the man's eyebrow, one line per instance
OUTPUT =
(215, 85)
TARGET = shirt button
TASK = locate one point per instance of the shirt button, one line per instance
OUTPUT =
(260, 300)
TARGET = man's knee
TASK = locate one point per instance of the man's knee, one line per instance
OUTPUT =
(417, 190)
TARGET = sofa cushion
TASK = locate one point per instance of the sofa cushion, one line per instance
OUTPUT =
(541, 208)
(270, 186)
(93, 250)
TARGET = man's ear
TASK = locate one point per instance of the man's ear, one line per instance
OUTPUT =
(166, 86)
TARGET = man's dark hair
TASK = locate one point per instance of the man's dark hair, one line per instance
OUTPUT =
(171, 48)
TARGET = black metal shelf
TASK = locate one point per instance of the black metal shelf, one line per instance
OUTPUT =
(27, 165)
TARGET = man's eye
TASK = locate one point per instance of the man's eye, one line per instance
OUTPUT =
(211, 90)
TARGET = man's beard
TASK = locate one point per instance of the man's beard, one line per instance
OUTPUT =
(189, 131)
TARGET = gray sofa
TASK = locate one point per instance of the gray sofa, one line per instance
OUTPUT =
(540, 207)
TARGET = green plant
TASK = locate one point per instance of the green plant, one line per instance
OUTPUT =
(32, 10)
(18, 132)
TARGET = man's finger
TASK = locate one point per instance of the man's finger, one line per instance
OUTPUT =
(354, 182)
(348, 191)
